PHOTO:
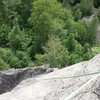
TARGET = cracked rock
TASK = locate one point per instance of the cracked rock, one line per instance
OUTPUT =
(60, 84)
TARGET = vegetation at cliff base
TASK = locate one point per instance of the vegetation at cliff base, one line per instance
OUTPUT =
(55, 32)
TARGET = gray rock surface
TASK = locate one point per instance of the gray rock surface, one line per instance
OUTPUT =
(59, 85)
(9, 79)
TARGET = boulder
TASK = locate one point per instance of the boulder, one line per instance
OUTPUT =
(9, 79)
(77, 82)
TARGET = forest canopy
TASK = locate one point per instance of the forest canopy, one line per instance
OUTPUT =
(55, 32)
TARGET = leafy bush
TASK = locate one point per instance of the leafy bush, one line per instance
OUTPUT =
(4, 32)
(55, 54)
(3, 65)
(96, 3)
(91, 28)
(98, 14)
(18, 60)
(17, 39)
(95, 50)
(75, 58)
(3, 59)
(45, 17)
(11, 60)
(36, 32)
(86, 7)
(14, 62)
(4, 53)
(77, 15)
(23, 58)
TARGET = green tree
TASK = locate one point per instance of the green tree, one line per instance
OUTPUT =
(45, 15)
(2, 11)
(91, 28)
(98, 14)
(86, 51)
(95, 50)
(55, 54)
(18, 60)
(17, 39)
(23, 9)
(3, 59)
(86, 7)
(77, 15)
(96, 3)
(3, 65)
(4, 33)
(6, 13)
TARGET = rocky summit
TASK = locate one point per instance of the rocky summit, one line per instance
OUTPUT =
(10, 78)
(77, 82)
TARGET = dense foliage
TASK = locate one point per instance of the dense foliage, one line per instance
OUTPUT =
(55, 32)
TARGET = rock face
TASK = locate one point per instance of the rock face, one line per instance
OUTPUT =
(61, 85)
(9, 79)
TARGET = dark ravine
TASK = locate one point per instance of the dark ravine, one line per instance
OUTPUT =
(9, 79)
